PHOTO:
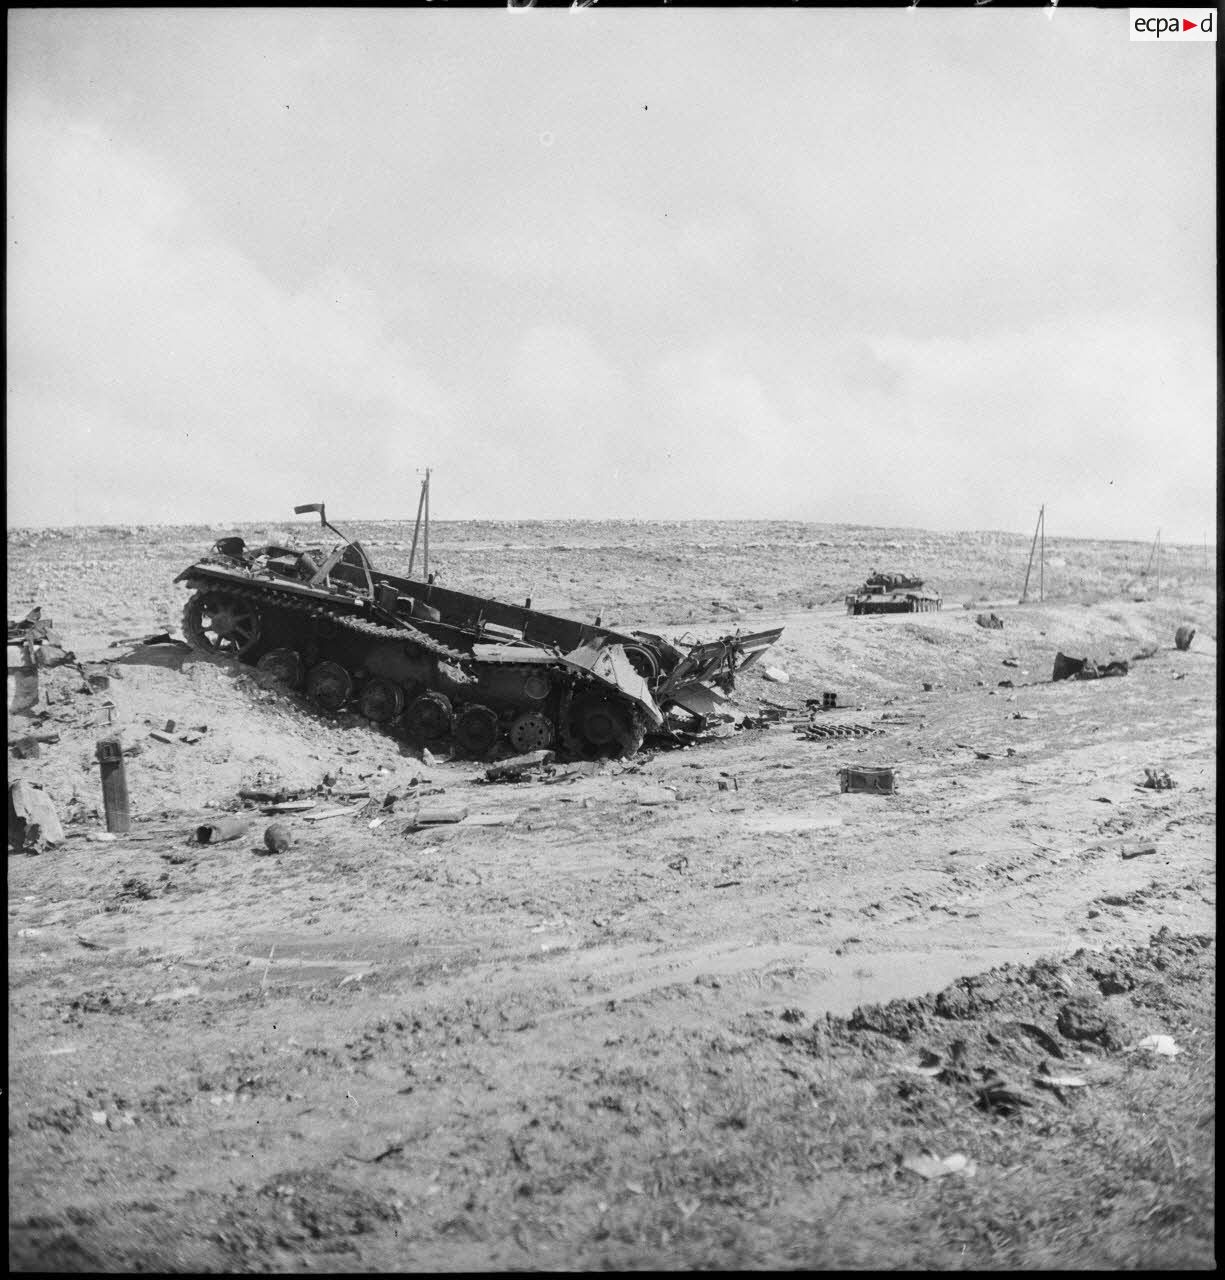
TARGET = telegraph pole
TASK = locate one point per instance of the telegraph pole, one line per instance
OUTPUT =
(423, 505)
(1041, 525)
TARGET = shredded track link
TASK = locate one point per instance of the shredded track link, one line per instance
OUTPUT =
(377, 630)
(818, 731)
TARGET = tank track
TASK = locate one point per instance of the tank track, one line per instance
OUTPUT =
(311, 608)
(576, 683)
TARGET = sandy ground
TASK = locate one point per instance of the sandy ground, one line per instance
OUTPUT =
(380, 1012)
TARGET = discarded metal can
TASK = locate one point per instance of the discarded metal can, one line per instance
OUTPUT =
(879, 781)
(221, 830)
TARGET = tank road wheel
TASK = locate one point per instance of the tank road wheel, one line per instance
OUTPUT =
(329, 685)
(604, 729)
(532, 731)
(380, 700)
(219, 624)
(284, 665)
(428, 717)
(476, 728)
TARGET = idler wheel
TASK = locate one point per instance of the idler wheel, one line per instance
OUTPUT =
(219, 624)
(329, 684)
(476, 728)
(284, 665)
(381, 700)
(532, 731)
(428, 717)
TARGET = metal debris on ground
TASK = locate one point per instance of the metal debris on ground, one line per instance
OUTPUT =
(879, 781)
(1158, 780)
(990, 621)
(1066, 668)
(1136, 850)
(815, 732)
(515, 769)
(277, 838)
(338, 812)
(436, 814)
(221, 830)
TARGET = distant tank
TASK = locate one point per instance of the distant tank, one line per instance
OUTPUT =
(440, 665)
(893, 593)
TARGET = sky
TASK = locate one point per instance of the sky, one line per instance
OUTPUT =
(908, 267)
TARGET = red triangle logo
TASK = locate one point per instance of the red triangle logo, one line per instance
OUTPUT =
(1187, 25)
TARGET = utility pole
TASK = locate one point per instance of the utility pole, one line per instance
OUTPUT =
(1157, 588)
(1042, 559)
(1152, 552)
(426, 562)
(1042, 526)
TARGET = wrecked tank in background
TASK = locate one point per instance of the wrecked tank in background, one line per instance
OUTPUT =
(442, 666)
(893, 593)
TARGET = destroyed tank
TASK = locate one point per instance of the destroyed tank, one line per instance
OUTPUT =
(893, 593)
(439, 665)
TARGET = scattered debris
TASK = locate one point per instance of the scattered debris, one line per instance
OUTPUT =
(513, 770)
(927, 1165)
(33, 822)
(1137, 850)
(434, 814)
(338, 812)
(277, 838)
(1183, 637)
(1011, 662)
(816, 732)
(776, 675)
(990, 621)
(1158, 780)
(222, 830)
(1066, 668)
(879, 781)
(1163, 1045)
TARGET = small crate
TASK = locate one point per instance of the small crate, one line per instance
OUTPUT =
(879, 781)
(829, 699)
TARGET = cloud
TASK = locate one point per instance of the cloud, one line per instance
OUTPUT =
(136, 333)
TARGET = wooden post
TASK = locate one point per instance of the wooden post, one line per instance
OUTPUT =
(1157, 588)
(1030, 565)
(1042, 557)
(114, 785)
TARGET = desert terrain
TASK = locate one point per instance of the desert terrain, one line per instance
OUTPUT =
(694, 1009)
